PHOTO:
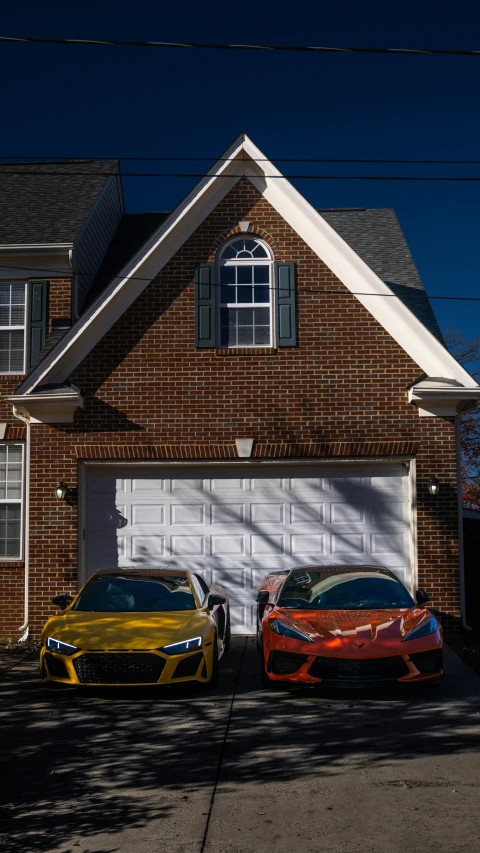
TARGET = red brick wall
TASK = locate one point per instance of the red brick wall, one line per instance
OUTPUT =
(150, 394)
(59, 300)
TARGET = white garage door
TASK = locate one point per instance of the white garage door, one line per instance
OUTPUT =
(233, 523)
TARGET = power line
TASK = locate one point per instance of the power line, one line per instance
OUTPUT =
(422, 294)
(269, 47)
(93, 175)
(231, 159)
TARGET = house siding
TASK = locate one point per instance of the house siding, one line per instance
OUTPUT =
(95, 237)
(150, 394)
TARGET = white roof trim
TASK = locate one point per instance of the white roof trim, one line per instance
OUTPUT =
(240, 159)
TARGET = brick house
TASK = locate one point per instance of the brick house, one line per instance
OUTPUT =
(246, 384)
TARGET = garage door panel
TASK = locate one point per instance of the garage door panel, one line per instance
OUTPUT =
(234, 529)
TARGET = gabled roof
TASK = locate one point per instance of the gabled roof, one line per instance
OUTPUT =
(51, 205)
(244, 159)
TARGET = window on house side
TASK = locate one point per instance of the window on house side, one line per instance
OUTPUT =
(11, 495)
(12, 327)
(246, 285)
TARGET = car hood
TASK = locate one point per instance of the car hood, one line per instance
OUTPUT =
(126, 630)
(354, 626)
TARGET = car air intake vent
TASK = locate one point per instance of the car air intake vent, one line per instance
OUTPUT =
(348, 669)
(428, 662)
(119, 668)
(285, 663)
(56, 667)
(188, 666)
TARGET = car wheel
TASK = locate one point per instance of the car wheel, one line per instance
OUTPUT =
(228, 633)
(214, 677)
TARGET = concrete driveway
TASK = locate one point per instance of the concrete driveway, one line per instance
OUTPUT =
(238, 769)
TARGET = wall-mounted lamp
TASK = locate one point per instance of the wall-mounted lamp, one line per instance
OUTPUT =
(433, 486)
(61, 490)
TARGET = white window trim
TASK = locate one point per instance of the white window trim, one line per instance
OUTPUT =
(21, 501)
(17, 328)
(235, 262)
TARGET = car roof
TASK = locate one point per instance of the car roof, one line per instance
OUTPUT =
(345, 570)
(144, 571)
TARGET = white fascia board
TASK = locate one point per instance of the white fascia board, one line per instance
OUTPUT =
(138, 273)
(242, 158)
(356, 275)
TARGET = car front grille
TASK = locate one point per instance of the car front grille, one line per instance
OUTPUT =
(285, 663)
(119, 668)
(348, 669)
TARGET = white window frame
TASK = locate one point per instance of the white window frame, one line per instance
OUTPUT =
(16, 501)
(235, 262)
(17, 328)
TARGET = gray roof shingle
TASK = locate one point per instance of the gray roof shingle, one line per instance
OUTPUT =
(377, 237)
(48, 206)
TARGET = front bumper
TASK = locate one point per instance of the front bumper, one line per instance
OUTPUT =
(126, 667)
(425, 665)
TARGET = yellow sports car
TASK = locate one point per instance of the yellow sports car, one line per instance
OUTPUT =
(137, 626)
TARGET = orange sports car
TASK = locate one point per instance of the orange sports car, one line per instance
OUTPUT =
(345, 625)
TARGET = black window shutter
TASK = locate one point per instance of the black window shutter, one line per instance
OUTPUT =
(205, 306)
(285, 310)
(37, 320)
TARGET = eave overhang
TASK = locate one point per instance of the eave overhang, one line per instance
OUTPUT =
(47, 408)
(438, 397)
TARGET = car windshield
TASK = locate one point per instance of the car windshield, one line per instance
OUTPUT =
(136, 595)
(327, 590)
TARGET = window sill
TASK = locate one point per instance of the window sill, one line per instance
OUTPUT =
(245, 351)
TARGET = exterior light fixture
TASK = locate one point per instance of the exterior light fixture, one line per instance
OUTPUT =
(60, 491)
(433, 486)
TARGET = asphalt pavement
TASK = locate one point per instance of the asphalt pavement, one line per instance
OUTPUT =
(240, 769)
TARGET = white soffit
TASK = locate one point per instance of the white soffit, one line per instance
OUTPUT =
(240, 159)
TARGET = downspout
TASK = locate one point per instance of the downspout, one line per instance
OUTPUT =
(26, 552)
(461, 554)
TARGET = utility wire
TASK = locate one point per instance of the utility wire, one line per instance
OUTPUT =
(94, 175)
(272, 47)
(60, 158)
(413, 290)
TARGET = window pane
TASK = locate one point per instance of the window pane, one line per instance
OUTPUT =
(4, 315)
(3, 471)
(262, 317)
(245, 294)
(261, 275)
(227, 275)
(249, 244)
(244, 316)
(17, 315)
(260, 251)
(227, 293)
(244, 275)
(4, 294)
(262, 335)
(11, 351)
(261, 294)
(229, 252)
(10, 518)
(245, 336)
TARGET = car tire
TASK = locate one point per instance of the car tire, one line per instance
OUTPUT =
(214, 677)
(227, 637)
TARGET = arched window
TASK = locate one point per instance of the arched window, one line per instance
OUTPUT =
(245, 317)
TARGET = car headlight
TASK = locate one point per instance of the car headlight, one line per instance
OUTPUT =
(182, 648)
(428, 627)
(282, 629)
(61, 648)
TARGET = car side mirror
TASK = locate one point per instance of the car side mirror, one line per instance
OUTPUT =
(262, 596)
(62, 601)
(421, 596)
(214, 600)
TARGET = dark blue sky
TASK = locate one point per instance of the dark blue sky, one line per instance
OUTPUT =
(87, 101)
